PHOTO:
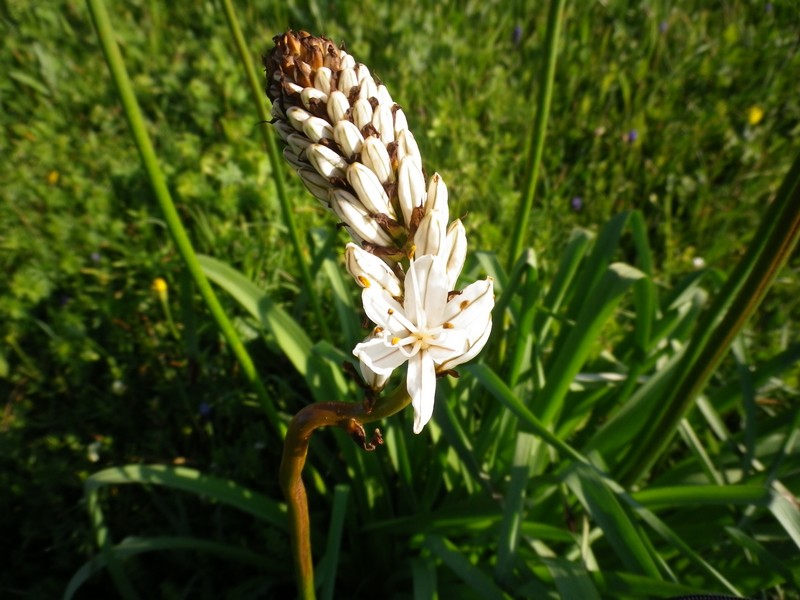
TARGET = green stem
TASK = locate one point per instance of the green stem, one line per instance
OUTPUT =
(736, 302)
(256, 86)
(133, 113)
(349, 416)
(535, 147)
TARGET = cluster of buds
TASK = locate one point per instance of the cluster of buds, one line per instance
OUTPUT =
(350, 144)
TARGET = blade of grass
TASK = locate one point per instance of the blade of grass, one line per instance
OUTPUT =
(195, 482)
(618, 527)
(477, 580)
(571, 579)
(133, 113)
(327, 570)
(582, 337)
(535, 145)
(134, 546)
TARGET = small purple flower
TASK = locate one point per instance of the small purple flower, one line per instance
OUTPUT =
(516, 36)
(576, 204)
(205, 409)
(95, 256)
(632, 136)
(768, 7)
(64, 299)
(663, 26)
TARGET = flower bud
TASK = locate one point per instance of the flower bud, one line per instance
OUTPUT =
(348, 137)
(430, 236)
(352, 213)
(327, 162)
(368, 270)
(375, 156)
(383, 121)
(410, 187)
(456, 253)
(369, 190)
(338, 106)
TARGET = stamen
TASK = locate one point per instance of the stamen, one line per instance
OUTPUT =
(464, 304)
(448, 325)
(391, 311)
(378, 330)
(395, 341)
(364, 281)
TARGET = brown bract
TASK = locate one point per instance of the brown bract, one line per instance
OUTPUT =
(295, 59)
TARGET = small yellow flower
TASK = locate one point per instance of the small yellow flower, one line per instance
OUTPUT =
(754, 115)
(160, 287)
(53, 177)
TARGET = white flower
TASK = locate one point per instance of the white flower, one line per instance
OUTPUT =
(429, 331)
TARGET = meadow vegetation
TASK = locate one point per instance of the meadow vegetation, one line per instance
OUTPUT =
(671, 129)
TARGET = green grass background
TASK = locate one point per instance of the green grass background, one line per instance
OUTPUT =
(650, 112)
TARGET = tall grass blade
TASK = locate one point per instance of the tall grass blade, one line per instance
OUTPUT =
(133, 113)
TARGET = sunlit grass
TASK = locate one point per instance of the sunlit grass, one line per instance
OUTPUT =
(687, 114)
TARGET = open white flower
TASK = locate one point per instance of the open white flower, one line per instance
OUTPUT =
(429, 331)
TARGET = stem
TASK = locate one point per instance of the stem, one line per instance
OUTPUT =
(536, 143)
(349, 416)
(106, 35)
(257, 92)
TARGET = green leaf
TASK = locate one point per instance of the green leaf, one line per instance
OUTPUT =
(290, 336)
(615, 522)
(477, 580)
(571, 579)
(195, 482)
(133, 546)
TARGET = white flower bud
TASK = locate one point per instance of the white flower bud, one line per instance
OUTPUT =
(431, 235)
(371, 378)
(407, 146)
(400, 122)
(322, 80)
(456, 253)
(308, 94)
(382, 121)
(368, 270)
(338, 106)
(384, 97)
(410, 187)
(437, 197)
(316, 128)
(316, 184)
(362, 113)
(362, 72)
(376, 157)
(327, 162)
(292, 156)
(347, 79)
(284, 129)
(348, 137)
(348, 208)
(369, 189)
(297, 142)
(297, 116)
(368, 88)
(347, 61)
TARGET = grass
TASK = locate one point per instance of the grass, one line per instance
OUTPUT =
(94, 378)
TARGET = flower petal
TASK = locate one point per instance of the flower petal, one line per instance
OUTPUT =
(426, 292)
(449, 344)
(379, 356)
(421, 385)
(386, 312)
(472, 352)
(473, 305)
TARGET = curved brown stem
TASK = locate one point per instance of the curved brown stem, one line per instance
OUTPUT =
(349, 416)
